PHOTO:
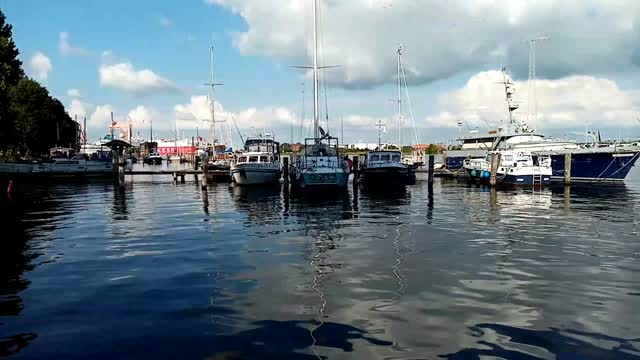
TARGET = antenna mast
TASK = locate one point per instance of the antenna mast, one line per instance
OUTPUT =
(380, 126)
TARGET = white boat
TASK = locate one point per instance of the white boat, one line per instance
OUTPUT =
(259, 164)
(515, 167)
(80, 164)
(320, 165)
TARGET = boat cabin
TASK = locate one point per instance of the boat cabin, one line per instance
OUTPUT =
(383, 158)
(264, 158)
(320, 153)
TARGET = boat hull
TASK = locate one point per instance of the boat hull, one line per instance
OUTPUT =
(597, 166)
(585, 166)
(510, 180)
(325, 179)
(392, 176)
(255, 176)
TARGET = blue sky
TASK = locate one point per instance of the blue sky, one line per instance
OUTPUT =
(451, 54)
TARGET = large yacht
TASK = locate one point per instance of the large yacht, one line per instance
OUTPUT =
(588, 163)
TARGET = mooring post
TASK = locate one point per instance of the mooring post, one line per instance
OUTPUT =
(356, 170)
(431, 166)
(285, 170)
(175, 177)
(495, 162)
(567, 169)
(182, 178)
(205, 166)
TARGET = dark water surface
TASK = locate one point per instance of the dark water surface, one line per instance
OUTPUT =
(165, 271)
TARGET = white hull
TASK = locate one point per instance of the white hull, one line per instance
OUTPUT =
(63, 167)
(250, 175)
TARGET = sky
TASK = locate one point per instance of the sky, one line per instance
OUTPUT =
(147, 62)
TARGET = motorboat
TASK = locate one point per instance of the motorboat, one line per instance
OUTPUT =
(259, 164)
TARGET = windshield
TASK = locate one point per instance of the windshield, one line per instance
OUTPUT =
(320, 150)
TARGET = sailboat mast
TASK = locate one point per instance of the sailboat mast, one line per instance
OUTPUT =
(316, 117)
(399, 101)
(213, 106)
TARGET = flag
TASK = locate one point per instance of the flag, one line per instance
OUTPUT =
(321, 131)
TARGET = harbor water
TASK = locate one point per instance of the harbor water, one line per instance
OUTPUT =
(167, 271)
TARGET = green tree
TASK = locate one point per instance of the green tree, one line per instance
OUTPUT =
(39, 121)
(10, 73)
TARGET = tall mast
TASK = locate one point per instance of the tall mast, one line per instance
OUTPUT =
(213, 106)
(399, 101)
(316, 117)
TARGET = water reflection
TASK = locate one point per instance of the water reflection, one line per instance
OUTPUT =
(285, 339)
(539, 344)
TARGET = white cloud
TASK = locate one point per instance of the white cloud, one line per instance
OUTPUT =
(78, 107)
(444, 38)
(165, 21)
(124, 76)
(101, 117)
(74, 93)
(40, 66)
(66, 49)
(570, 102)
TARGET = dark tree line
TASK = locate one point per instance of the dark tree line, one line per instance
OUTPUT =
(31, 120)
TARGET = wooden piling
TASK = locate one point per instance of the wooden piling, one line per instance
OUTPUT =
(495, 162)
(431, 167)
(285, 170)
(567, 169)
(205, 168)
(356, 170)
(175, 177)
(182, 178)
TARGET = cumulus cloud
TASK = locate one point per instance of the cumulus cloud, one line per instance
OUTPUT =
(75, 93)
(40, 66)
(569, 102)
(123, 76)
(78, 107)
(66, 49)
(443, 38)
(101, 117)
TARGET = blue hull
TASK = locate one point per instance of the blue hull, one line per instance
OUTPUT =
(595, 166)
(600, 166)
(335, 180)
(515, 180)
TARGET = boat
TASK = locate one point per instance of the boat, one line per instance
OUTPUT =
(153, 158)
(385, 167)
(589, 163)
(218, 160)
(320, 165)
(515, 168)
(98, 164)
(259, 164)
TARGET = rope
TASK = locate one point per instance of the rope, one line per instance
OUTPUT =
(406, 89)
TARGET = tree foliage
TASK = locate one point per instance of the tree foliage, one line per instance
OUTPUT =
(39, 121)
(10, 73)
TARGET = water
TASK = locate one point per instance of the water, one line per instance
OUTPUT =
(166, 271)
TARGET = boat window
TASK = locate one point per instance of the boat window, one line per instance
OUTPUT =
(385, 157)
(242, 159)
(253, 159)
(396, 158)
(375, 157)
(264, 159)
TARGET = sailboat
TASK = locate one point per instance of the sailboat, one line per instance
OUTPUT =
(320, 165)
(385, 167)
(217, 161)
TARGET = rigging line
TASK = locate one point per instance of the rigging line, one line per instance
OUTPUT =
(406, 89)
(303, 114)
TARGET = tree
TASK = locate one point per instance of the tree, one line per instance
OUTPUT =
(39, 121)
(10, 73)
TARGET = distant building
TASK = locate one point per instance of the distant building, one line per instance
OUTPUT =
(297, 147)
(368, 146)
